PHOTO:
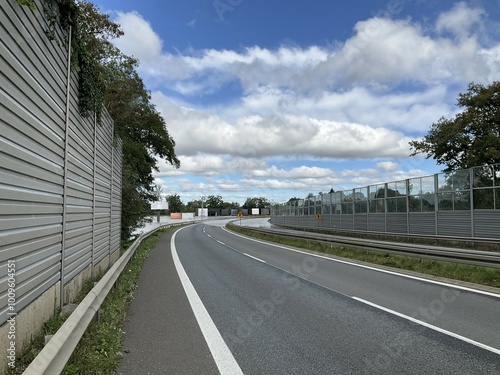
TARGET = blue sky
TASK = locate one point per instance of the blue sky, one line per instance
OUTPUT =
(280, 99)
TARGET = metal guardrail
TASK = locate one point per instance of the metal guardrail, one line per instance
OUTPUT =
(56, 353)
(465, 256)
(488, 242)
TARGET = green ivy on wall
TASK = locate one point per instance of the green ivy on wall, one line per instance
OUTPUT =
(89, 32)
(29, 3)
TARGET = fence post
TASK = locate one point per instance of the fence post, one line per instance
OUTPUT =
(65, 177)
(471, 194)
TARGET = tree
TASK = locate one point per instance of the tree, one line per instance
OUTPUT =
(214, 201)
(232, 205)
(108, 78)
(157, 191)
(192, 206)
(143, 132)
(174, 203)
(472, 138)
(256, 202)
(89, 30)
(229, 205)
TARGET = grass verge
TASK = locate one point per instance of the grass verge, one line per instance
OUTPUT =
(457, 271)
(98, 352)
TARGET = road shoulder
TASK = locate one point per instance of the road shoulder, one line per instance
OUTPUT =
(162, 335)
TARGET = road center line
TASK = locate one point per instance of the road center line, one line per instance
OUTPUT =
(422, 323)
(251, 256)
(224, 359)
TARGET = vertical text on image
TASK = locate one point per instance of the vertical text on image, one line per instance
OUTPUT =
(11, 313)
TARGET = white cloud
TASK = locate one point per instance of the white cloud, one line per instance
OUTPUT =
(388, 166)
(404, 111)
(363, 98)
(459, 20)
(209, 165)
(286, 135)
(298, 172)
(385, 51)
(139, 40)
(278, 184)
(381, 52)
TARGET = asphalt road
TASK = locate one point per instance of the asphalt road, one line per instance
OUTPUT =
(255, 308)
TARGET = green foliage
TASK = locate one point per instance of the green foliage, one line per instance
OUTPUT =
(192, 206)
(256, 202)
(143, 132)
(472, 138)
(90, 31)
(214, 201)
(175, 204)
(28, 3)
(134, 203)
(229, 205)
(107, 78)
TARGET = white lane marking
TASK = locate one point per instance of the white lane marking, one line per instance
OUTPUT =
(449, 333)
(222, 243)
(251, 256)
(441, 330)
(478, 291)
(224, 359)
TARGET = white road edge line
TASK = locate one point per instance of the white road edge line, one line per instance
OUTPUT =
(224, 359)
(449, 333)
(251, 256)
(478, 291)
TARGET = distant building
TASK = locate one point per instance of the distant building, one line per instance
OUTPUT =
(214, 212)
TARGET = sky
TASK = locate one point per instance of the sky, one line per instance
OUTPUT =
(280, 99)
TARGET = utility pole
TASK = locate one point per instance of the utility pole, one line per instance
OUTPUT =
(202, 200)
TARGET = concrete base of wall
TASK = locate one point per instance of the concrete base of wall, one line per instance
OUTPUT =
(101, 266)
(28, 323)
(114, 257)
(74, 286)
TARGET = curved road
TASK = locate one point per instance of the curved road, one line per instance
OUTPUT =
(244, 306)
